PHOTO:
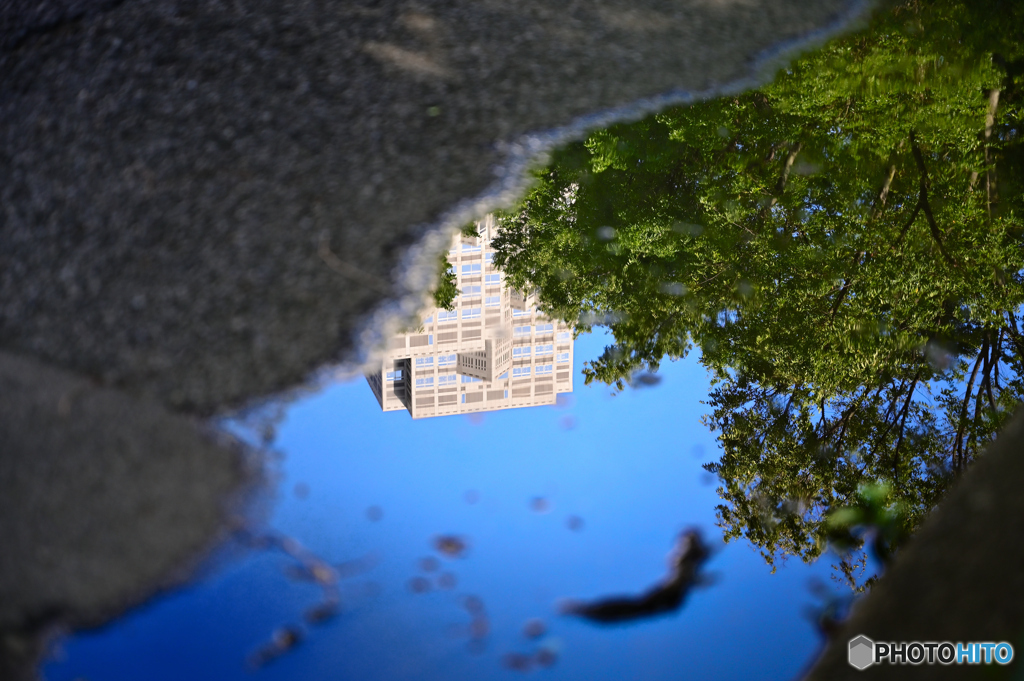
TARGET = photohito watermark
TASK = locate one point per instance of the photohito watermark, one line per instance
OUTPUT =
(864, 652)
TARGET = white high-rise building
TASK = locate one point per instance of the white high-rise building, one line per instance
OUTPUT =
(494, 351)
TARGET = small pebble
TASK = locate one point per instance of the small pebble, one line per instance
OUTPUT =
(419, 585)
(451, 545)
(517, 662)
(534, 628)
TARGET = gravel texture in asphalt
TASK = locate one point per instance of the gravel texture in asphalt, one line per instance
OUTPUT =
(201, 200)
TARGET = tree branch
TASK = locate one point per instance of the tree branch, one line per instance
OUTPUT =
(903, 424)
(987, 375)
(923, 201)
(903, 232)
(958, 443)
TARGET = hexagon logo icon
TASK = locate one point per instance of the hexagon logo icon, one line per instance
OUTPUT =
(862, 652)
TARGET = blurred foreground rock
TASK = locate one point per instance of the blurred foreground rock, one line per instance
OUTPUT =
(960, 579)
(103, 499)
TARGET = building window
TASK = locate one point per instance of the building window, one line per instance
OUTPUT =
(563, 358)
(545, 349)
(467, 248)
(429, 320)
(492, 301)
(395, 375)
(425, 382)
(545, 328)
(471, 269)
(424, 361)
(518, 372)
(445, 316)
(471, 313)
(430, 339)
(470, 379)
(543, 369)
(521, 313)
(450, 379)
(470, 290)
(521, 352)
(446, 360)
(564, 335)
(489, 257)
(492, 279)
(503, 377)
(521, 331)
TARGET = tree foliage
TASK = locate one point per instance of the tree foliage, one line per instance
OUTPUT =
(844, 246)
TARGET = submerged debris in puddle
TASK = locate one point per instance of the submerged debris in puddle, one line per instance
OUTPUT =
(545, 657)
(472, 496)
(308, 567)
(574, 523)
(451, 545)
(479, 627)
(374, 513)
(323, 612)
(281, 642)
(534, 628)
(540, 505)
(429, 564)
(419, 585)
(473, 605)
(518, 662)
(447, 580)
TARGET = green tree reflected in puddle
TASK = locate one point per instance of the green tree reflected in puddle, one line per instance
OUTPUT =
(843, 245)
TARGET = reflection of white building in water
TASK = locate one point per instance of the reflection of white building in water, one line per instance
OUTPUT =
(494, 351)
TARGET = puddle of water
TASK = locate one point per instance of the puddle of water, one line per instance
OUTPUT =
(547, 513)
(857, 319)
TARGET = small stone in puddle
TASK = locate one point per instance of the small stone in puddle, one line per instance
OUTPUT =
(540, 505)
(374, 513)
(534, 628)
(545, 657)
(429, 564)
(301, 490)
(419, 585)
(451, 545)
(283, 640)
(473, 605)
(479, 627)
(574, 523)
(321, 613)
(447, 580)
(517, 662)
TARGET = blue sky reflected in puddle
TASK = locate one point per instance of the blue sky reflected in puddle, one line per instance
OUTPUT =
(628, 466)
